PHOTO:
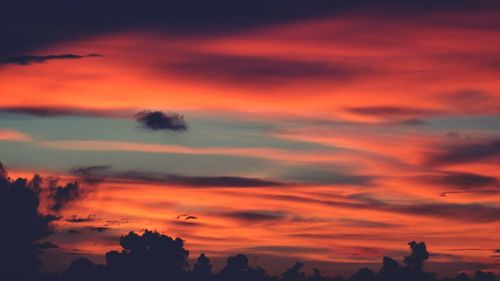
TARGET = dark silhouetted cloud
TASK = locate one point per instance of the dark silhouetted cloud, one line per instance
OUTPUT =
(105, 172)
(58, 111)
(76, 219)
(253, 70)
(459, 180)
(254, 216)
(466, 153)
(366, 223)
(157, 120)
(30, 59)
(90, 174)
(73, 231)
(99, 228)
(392, 112)
(286, 249)
(46, 245)
(472, 212)
(63, 195)
(30, 25)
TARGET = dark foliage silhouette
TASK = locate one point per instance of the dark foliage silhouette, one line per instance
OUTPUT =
(148, 257)
(21, 227)
(154, 256)
(202, 269)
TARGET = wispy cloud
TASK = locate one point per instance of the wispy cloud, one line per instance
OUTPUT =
(30, 59)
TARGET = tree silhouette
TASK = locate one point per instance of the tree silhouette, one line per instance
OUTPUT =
(202, 269)
(152, 256)
(21, 227)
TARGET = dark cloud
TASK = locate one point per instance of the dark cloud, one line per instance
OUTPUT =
(30, 25)
(76, 219)
(184, 223)
(253, 70)
(471, 212)
(157, 120)
(106, 173)
(57, 111)
(90, 174)
(460, 180)
(30, 59)
(63, 195)
(223, 181)
(99, 228)
(46, 245)
(73, 231)
(254, 216)
(322, 175)
(488, 150)
(286, 249)
(366, 223)
(407, 114)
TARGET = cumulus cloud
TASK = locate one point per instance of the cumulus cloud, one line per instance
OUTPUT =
(158, 120)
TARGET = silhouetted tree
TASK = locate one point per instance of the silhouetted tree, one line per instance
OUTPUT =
(484, 276)
(202, 269)
(391, 271)
(151, 256)
(364, 274)
(21, 227)
(83, 270)
(294, 273)
(316, 276)
(418, 255)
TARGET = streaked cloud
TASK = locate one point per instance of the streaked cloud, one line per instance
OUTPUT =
(30, 59)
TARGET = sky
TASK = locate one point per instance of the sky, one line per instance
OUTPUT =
(331, 132)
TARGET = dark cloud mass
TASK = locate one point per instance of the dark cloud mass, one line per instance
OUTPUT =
(76, 219)
(253, 70)
(29, 59)
(157, 120)
(488, 150)
(106, 173)
(99, 229)
(254, 216)
(63, 195)
(58, 111)
(30, 25)
(459, 180)
(392, 112)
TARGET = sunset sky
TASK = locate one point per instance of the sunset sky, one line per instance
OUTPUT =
(330, 132)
